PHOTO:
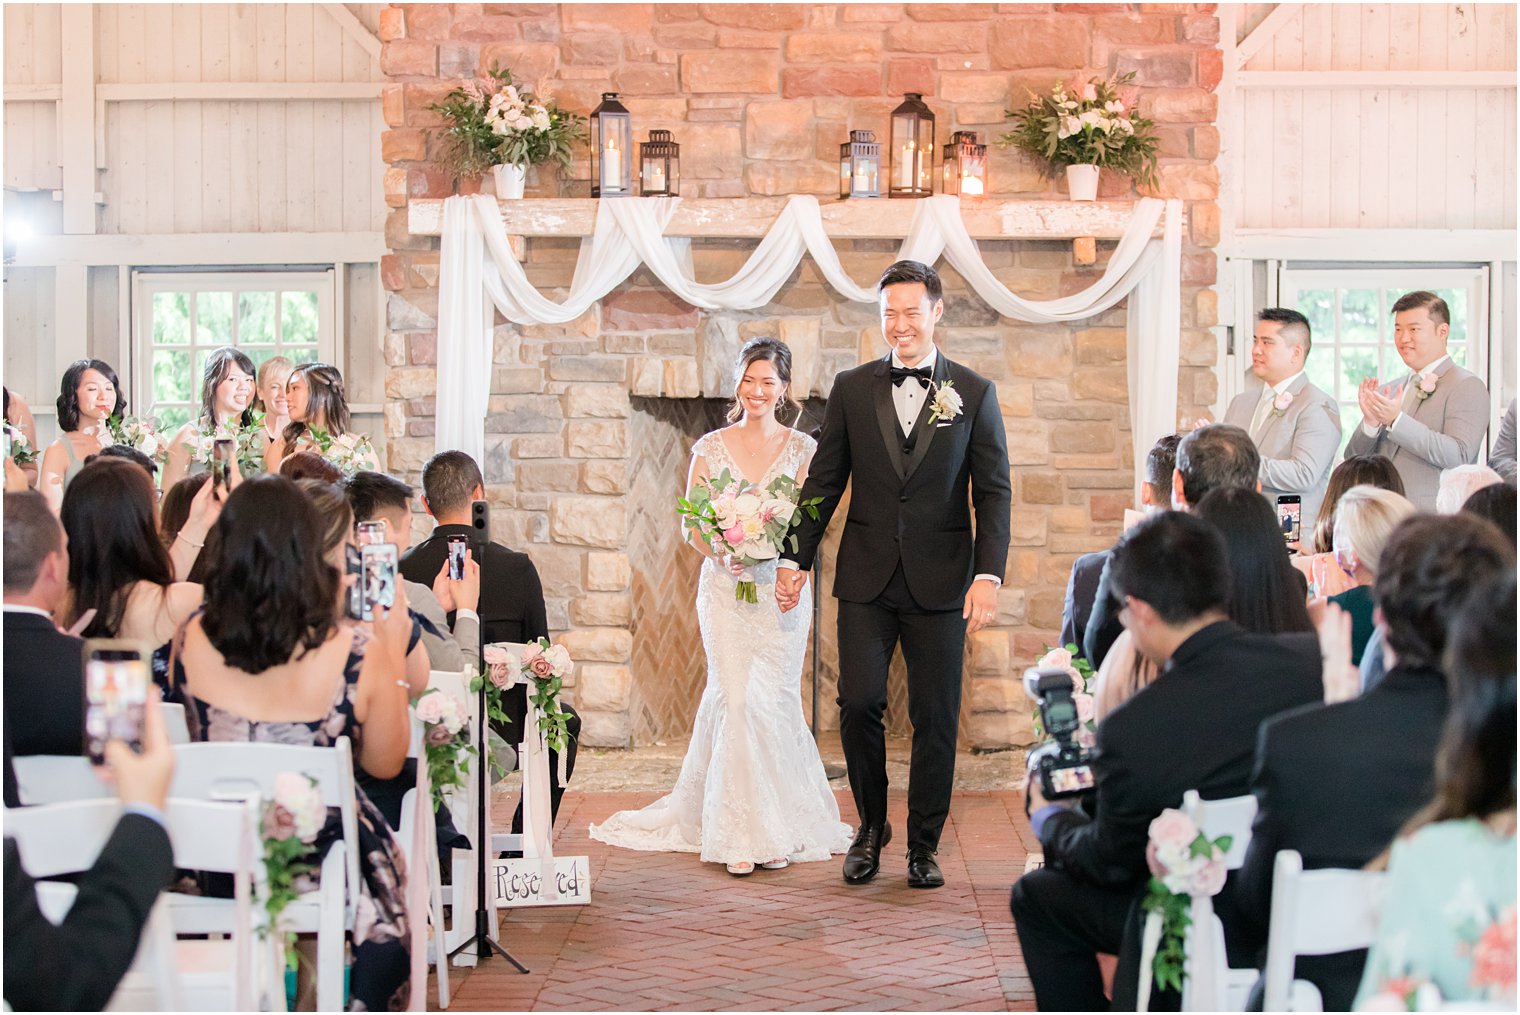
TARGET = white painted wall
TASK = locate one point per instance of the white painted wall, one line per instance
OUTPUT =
(253, 123)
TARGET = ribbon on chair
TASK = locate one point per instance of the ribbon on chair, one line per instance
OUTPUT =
(1149, 941)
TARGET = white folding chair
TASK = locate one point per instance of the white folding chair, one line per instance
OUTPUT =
(167, 975)
(418, 835)
(57, 778)
(233, 771)
(1317, 912)
(175, 726)
(1211, 985)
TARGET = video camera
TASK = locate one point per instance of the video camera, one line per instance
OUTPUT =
(1065, 766)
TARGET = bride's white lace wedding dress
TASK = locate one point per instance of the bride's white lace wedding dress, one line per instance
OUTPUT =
(752, 787)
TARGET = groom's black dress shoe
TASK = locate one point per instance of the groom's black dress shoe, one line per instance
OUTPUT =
(864, 857)
(923, 871)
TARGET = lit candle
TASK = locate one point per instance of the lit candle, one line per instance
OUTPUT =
(909, 167)
(612, 166)
(657, 176)
(971, 186)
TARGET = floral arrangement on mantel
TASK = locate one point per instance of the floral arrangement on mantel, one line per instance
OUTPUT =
(494, 122)
(1087, 124)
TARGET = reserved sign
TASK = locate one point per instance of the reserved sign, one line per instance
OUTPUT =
(562, 881)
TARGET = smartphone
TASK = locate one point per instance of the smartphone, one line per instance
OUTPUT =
(116, 682)
(1290, 516)
(377, 575)
(351, 566)
(221, 463)
(457, 546)
(371, 533)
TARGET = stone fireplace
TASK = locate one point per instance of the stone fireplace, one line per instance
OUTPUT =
(590, 423)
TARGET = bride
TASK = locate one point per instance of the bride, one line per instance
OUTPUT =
(752, 789)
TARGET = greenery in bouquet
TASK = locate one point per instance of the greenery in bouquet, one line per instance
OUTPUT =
(445, 741)
(22, 452)
(140, 432)
(1089, 124)
(734, 516)
(1069, 658)
(493, 122)
(291, 823)
(350, 452)
(250, 455)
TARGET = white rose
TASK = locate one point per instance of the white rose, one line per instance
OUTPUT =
(746, 505)
(540, 118)
(1092, 118)
(758, 549)
(781, 509)
(1056, 658)
(297, 794)
(453, 714)
(1069, 126)
(559, 658)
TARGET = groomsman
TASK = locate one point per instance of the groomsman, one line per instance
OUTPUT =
(1295, 426)
(1434, 418)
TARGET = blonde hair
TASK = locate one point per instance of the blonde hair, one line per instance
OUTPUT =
(1364, 519)
(271, 364)
(1461, 482)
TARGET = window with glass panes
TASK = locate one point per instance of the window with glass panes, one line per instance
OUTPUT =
(1350, 313)
(181, 318)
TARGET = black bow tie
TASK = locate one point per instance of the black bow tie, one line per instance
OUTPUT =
(920, 374)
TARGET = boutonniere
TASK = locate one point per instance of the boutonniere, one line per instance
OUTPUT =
(1281, 402)
(946, 404)
(1426, 387)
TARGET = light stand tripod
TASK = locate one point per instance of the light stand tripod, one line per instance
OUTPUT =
(484, 912)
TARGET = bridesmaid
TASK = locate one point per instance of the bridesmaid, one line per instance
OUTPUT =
(269, 397)
(18, 416)
(89, 395)
(226, 405)
(317, 401)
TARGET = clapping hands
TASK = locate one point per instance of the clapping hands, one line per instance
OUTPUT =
(1377, 408)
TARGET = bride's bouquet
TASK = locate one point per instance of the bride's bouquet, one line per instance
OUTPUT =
(732, 515)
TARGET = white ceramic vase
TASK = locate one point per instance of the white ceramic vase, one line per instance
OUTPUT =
(1082, 182)
(510, 181)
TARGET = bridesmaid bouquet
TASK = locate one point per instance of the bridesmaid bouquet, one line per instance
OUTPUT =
(246, 439)
(22, 452)
(350, 452)
(734, 516)
(140, 432)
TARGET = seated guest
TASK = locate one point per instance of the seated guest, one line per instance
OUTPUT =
(1212, 456)
(1496, 503)
(76, 965)
(269, 652)
(309, 465)
(1461, 483)
(1430, 419)
(1364, 521)
(1318, 565)
(1449, 911)
(44, 668)
(1295, 425)
(1082, 587)
(121, 572)
(1501, 457)
(511, 596)
(1337, 781)
(1217, 683)
(376, 497)
(174, 508)
(128, 454)
(1265, 597)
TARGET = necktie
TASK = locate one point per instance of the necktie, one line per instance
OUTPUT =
(920, 374)
(1263, 407)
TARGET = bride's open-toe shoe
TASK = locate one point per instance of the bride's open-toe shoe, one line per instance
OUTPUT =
(776, 865)
(739, 870)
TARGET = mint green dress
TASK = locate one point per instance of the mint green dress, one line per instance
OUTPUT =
(1448, 916)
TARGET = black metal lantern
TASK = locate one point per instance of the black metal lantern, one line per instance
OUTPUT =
(659, 165)
(965, 165)
(860, 165)
(911, 154)
(611, 148)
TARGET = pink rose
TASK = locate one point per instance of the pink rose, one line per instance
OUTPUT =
(542, 668)
(1084, 703)
(1428, 383)
(1173, 828)
(532, 652)
(498, 656)
(430, 707)
(1056, 659)
(1282, 401)
(437, 736)
(499, 674)
(279, 823)
(1208, 875)
(734, 536)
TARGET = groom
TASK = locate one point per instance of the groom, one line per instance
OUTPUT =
(912, 432)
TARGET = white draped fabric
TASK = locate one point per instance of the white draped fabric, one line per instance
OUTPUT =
(477, 264)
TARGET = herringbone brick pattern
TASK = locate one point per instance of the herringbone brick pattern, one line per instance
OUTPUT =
(667, 932)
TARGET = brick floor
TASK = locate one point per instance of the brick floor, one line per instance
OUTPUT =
(666, 932)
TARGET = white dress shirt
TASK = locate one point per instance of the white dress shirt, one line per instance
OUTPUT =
(1264, 408)
(1415, 377)
(908, 397)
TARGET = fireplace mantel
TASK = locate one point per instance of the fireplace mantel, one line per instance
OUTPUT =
(751, 217)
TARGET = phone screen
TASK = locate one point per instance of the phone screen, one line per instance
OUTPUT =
(351, 567)
(221, 463)
(371, 533)
(116, 682)
(377, 576)
(457, 546)
(1290, 515)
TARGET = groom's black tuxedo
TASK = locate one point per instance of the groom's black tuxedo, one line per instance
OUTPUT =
(906, 559)
(918, 496)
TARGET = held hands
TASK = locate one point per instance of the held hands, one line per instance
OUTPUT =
(1342, 680)
(463, 594)
(981, 605)
(789, 585)
(1377, 408)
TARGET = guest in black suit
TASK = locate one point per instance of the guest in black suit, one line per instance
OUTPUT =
(1217, 683)
(511, 595)
(76, 965)
(1336, 782)
(44, 668)
(1082, 588)
(1213, 456)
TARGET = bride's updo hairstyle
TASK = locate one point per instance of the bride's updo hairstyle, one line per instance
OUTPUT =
(779, 356)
